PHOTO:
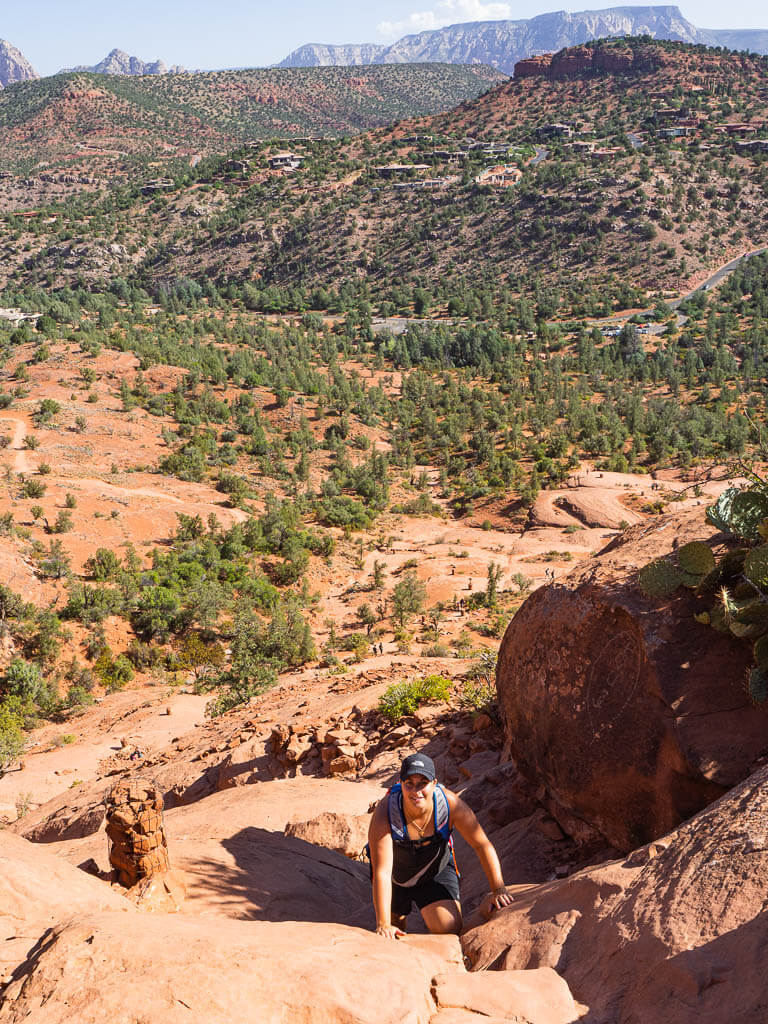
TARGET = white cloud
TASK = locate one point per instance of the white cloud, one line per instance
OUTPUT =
(445, 12)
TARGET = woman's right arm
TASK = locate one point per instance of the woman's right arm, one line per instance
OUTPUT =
(380, 844)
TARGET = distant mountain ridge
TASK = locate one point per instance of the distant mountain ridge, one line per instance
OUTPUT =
(502, 43)
(118, 62)
(14, 66)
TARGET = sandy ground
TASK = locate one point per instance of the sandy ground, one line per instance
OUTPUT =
(62, 755)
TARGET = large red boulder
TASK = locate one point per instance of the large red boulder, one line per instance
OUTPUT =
(630, 713)
(674, 934)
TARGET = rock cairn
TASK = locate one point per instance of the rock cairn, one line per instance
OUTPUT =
(138, 847)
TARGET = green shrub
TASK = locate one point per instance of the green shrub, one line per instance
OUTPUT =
(403, 699)
(33, 489)
(114, 674)
(11, 736)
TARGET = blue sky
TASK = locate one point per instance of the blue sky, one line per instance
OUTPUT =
(236, 33)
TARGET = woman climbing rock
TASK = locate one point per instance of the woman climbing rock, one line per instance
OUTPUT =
(411, 849)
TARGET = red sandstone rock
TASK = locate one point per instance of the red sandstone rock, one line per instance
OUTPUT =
(675, 934)
(536, 996)
(345, 833)
(172, 969)
(632, 714)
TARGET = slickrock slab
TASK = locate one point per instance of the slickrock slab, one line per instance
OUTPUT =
(525, 997)
(39, 890)
(174, 969)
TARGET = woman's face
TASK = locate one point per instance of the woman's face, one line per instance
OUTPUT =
(417, 791)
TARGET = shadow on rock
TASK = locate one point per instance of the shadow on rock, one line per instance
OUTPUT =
(265, 876)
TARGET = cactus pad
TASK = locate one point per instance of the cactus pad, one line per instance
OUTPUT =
(719, 514)
(757, 687)
(696, 558)
(728, 604)
(748, 511)
(755, 612)
(746, 630)
(761, 652)
(659, 578)
(756, 566)
(717, 619)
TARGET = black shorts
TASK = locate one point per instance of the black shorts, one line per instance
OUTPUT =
(444, 886)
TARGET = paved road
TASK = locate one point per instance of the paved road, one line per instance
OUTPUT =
(541, 154)
(718, 276)
(634, 140)
(714, 279)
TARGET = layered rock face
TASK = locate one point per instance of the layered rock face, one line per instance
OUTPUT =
(675, 934)
(502, 43)
(14, 66)
(581, 60)
(631, 714)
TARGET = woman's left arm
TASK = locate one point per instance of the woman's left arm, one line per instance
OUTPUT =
(469, 828)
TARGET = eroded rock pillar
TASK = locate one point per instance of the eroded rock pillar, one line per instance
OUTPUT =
(138, 847)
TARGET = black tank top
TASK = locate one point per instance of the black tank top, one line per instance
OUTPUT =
(419, 860)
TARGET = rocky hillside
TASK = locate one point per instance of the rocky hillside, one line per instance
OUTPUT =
(502, 43)
(14, 66)
(63, 117)
(118, 62)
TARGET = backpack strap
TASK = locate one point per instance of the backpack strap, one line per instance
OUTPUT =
(397, 823)
(442, 813)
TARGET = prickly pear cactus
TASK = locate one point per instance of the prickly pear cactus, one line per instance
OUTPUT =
(757, 686)
(735, 582)
(719, 514)
(756, 566)
(749, 510)
(659, 578)
(696, 558)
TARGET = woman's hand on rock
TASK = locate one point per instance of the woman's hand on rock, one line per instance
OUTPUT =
(495, 901)
(389, 931)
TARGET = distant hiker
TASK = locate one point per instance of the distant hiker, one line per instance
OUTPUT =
(411, 849)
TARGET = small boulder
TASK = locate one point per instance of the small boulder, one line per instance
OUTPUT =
(345, 833)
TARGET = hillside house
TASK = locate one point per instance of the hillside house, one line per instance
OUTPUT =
(676, 131)
(501, 176)
(285, 161)
(752, 145)
(740, 128)
(159, 185)
(495, 148)
(421, 184)
(555, 131)
(397, 170)
(606, 153)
